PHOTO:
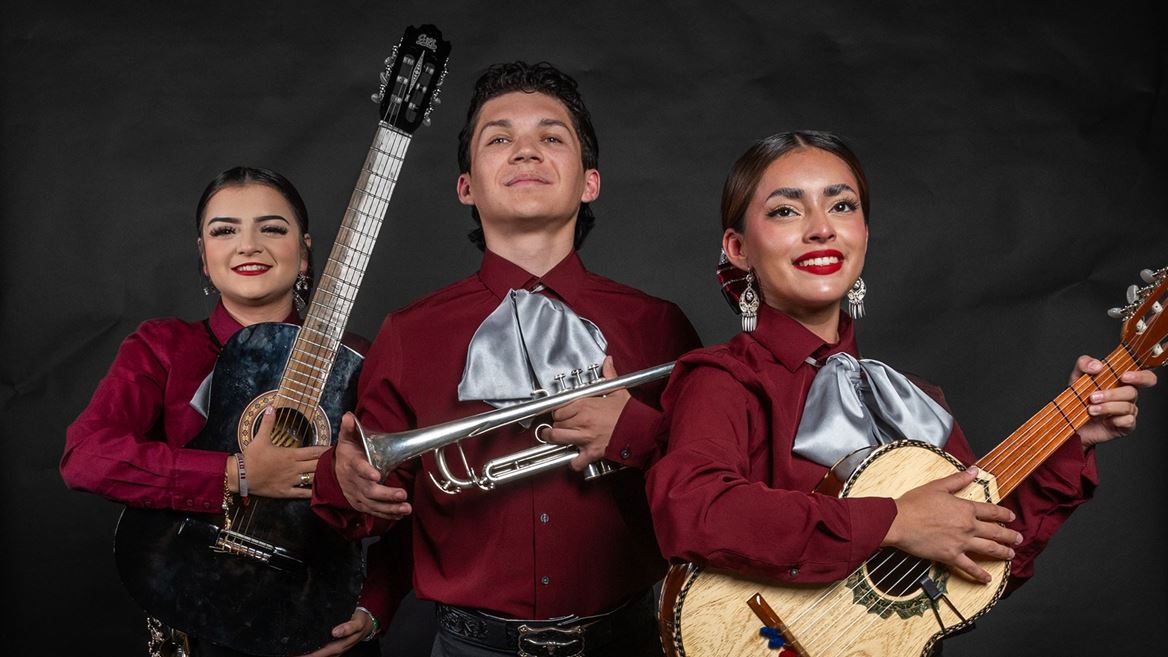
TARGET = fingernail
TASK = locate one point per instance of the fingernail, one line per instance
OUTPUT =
(1012, 517)
(972, 470)
(1018, 541)
(1093, 410)
(1011, 553)
(1096, 397)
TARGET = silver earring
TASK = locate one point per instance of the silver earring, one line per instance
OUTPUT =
(748, 304)
(299, 292)
(208, 287)
(856, 298)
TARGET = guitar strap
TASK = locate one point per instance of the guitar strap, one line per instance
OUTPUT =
(211, 334)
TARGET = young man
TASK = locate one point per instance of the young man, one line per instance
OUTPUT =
(550, 559)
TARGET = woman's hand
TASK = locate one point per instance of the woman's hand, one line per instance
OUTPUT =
(360, 481)
(1113, 412)
(346, 635)
(273, 471)
(932, 523)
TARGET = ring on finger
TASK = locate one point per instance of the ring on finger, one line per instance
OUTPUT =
(305, 480)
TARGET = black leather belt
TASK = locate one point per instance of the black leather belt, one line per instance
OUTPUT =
(568, 636)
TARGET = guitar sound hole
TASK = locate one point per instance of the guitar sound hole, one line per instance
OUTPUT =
(895, 573)
(292, 429)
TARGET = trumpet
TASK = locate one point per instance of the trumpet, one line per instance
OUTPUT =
(386, 451)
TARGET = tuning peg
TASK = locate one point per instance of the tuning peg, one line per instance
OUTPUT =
(1148, 275)
(376, 98)
(1133, 293)
(1115, 313)
(435, 100)
(426, 120)
(384, 75)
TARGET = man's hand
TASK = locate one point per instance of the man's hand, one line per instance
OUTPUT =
(1113, 412)
(360, 481)
(932, 523)
(588, 423)
(346, 635)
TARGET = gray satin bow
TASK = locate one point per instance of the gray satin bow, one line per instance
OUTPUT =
(529, 336)
(854, 404)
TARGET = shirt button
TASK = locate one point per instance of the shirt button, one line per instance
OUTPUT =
(545, 580)
(625, 453)
(190, 502)
(544, 518)
(206, 505)
(793, 571)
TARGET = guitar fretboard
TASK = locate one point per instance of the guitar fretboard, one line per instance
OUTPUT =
(1036, 440)
(320, 336)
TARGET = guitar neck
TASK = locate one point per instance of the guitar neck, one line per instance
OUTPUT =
(1036, 440)
(320, 336)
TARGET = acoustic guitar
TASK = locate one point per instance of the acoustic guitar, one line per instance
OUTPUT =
(896, 604)
(268, 577)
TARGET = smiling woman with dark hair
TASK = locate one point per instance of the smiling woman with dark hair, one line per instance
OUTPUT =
(755, 424)
(129, 444)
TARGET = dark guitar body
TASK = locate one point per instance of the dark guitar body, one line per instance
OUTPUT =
(164, 557)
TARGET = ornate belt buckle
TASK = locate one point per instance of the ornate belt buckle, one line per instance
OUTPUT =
(551, 641)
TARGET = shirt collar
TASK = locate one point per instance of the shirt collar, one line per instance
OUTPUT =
(223, 325)
(792, 343)
(500, 275)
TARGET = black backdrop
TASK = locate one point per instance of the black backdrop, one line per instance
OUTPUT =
(1017, 154)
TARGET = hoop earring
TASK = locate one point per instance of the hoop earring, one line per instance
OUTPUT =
(748, 304)
(300, 292)
(856, 298)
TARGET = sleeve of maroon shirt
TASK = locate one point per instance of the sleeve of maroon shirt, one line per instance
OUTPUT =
(113, 449)
(379, 408)
(640, 432)
(389, 573)
(706, 509)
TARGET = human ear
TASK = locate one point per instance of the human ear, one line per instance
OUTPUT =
(462, 189)
(734, 245)
(304, 253)
(591, 186)
(202, 254)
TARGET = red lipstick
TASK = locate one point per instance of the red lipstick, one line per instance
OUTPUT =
(820, 263)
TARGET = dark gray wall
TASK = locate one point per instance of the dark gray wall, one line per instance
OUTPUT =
(1017, 154)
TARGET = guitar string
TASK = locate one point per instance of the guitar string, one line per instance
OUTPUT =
(301, 424)
(1040, 428)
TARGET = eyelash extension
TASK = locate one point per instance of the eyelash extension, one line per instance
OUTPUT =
(852, 205)
(775, 212)
(221, 230)
(282, 230)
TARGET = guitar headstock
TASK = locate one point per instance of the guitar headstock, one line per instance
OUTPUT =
(412, 75)
(1145, 323)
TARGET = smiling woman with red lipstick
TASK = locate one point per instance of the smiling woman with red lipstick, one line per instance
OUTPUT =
(128, 445)
(756, 423)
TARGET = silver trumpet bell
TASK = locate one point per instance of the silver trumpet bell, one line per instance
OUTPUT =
(386, 451)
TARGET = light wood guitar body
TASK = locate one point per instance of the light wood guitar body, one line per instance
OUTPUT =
(879, 611)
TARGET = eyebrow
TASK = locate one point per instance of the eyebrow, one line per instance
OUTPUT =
(795, 193)
(506, 123)
(237, 220)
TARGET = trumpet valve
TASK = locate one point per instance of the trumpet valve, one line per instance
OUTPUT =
(578, 376)
(561, 384)
(594, 374)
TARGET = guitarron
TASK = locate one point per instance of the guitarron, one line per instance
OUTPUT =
(895, 604)
(268, 577)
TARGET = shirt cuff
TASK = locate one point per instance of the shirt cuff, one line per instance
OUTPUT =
(1071, 470)
(634, 439)
(330, 504)
(197, 480)
(871, 518)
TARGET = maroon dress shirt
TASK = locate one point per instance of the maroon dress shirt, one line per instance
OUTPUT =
(730, 493)
(128, 443)
(538, 547)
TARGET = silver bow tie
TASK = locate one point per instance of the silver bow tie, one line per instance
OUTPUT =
(524, 345)
(853, 404)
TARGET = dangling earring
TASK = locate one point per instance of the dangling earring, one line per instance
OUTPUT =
(748, 304)
(299, 292)
(856, 298)
(208, 287)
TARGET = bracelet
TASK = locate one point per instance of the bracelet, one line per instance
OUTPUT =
(376, 626)
(242, 477)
